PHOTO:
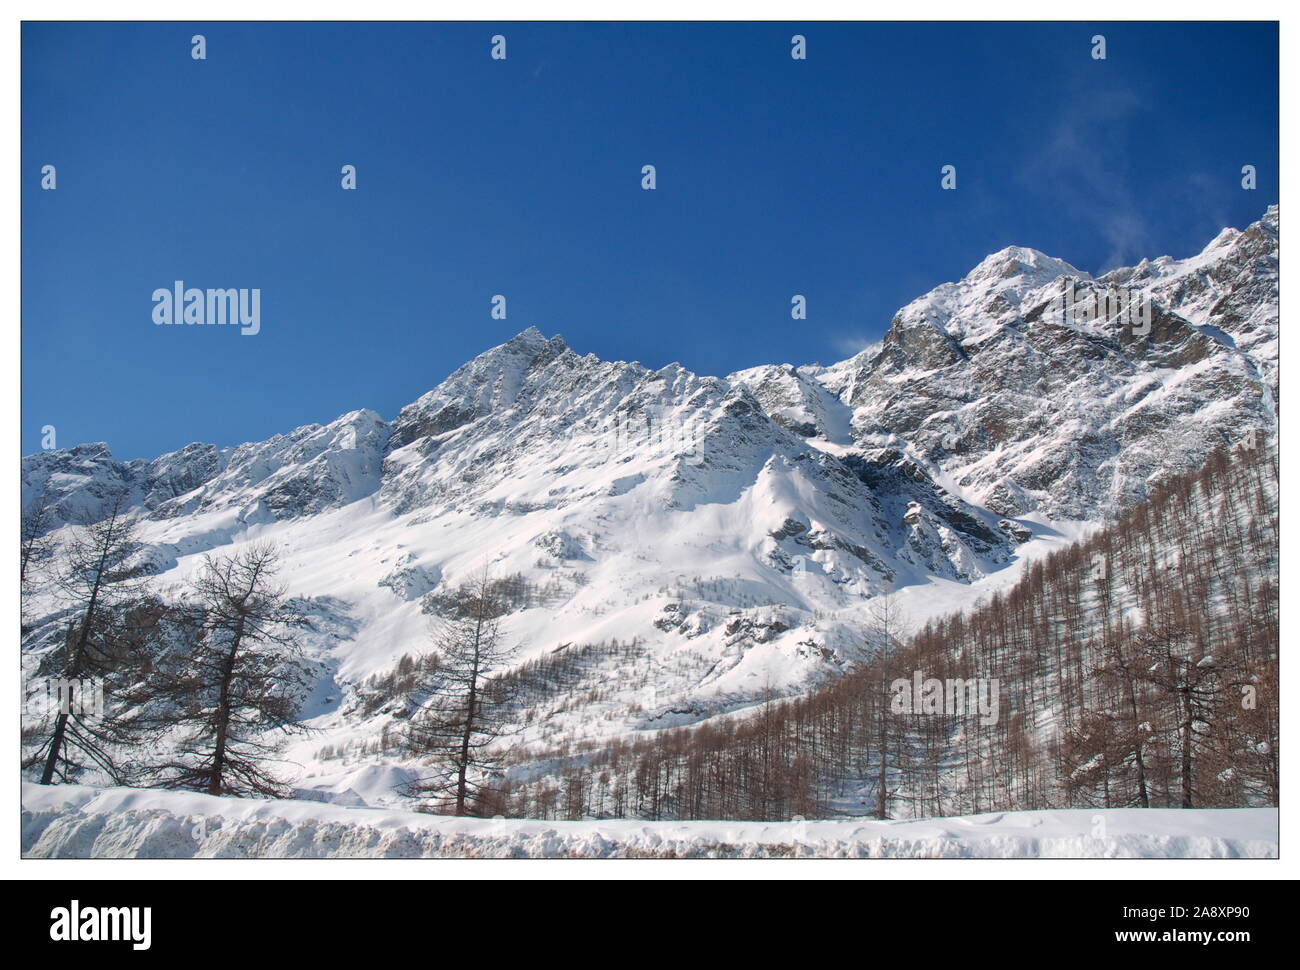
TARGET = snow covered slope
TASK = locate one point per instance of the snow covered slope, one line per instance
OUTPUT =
(73, 822)
(726, 533)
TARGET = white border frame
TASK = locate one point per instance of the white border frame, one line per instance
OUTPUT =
(11, 866)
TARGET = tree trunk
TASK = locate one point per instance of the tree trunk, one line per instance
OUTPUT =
(462, 788)
(216, 777)
(74, 672)
(1187, 749)
(882, 799)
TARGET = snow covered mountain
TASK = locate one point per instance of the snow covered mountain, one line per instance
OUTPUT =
(985, 388)
(730, 530)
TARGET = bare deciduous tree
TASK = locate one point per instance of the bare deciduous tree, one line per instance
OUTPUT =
(35, 545)
(99, 575)
(241, 683)
(454, 731)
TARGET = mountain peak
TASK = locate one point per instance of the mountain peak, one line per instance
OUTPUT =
(1022, 261)
(533, 339)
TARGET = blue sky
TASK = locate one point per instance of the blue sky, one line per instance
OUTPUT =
(522, 177)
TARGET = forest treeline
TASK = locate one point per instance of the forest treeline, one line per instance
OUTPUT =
(1135, 668)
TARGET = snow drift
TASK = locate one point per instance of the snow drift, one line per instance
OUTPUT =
(73, 822)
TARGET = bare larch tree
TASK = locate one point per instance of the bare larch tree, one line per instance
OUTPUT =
(454, 731)
(100, 575)
(241, 683)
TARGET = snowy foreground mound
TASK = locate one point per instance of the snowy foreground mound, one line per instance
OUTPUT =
(69, 821)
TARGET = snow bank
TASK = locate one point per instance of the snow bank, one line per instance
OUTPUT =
(69, 821)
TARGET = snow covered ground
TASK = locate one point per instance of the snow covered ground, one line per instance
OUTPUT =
(69, 821)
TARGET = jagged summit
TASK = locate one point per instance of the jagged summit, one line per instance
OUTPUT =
(532, 339)
(1014, 261)
(950, 360)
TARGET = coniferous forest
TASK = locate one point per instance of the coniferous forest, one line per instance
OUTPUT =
(1138, 668)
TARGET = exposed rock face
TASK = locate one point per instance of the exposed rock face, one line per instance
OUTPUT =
(1022, 408)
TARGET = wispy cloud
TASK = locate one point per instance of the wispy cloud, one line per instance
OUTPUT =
(848, 344)
(1081, 165)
